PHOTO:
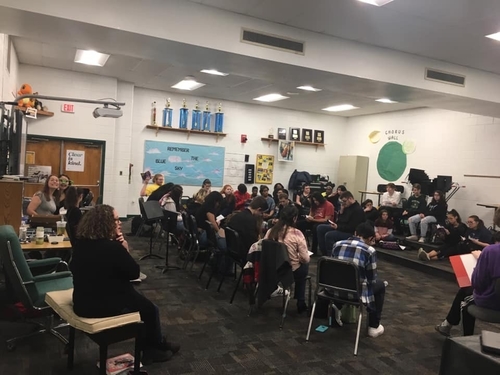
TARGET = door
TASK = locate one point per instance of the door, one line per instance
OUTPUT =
(85, 168)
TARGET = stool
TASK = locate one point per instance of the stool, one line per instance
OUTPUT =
(103, 331)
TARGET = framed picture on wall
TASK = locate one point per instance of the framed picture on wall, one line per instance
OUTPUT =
(281, 133)
(295, 134)
(286, 150)
(264, 169)
(319, 136)
(307, 135)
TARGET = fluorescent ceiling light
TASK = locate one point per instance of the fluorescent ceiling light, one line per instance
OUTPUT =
(90, 57)
(340, 108)
(386, 101)
(377, 3)
(214, 72)
(271, 98)
(308, 88)
(188, 83)
(495, 36)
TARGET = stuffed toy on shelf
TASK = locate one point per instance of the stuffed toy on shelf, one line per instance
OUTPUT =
(26, 102)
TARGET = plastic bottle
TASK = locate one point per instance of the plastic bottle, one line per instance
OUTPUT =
(23, 232)
(40, 234)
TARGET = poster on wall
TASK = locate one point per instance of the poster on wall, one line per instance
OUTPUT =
(286, 150)
(265, 168)
(75, 160)
(39, 173)
(185, 164)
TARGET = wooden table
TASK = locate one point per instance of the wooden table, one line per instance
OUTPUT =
(31, 246)
(495, 206)
(365, 192)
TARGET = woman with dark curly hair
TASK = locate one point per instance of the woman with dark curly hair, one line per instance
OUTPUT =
(102, 269)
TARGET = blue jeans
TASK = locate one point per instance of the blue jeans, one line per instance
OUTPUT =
(299, 276)
(321, 231)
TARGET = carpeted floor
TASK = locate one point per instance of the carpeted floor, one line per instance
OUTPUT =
(219, 338)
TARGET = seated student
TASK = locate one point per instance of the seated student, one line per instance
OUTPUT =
(102, 269)
(282, 203)
(205, 219)
(159, 193)
(284, 231)
(172, 202)
(415, 205)
(391, 200)
(264, 191)
(358, 250)
(64, 184)
(477, 235)
(350, 216)
(452, 234)
(197, 201)
(321, 212)
(207, 185)
(435, 212)
(303, 200)
(229, 202)
(278, 188)
(73, 198)
(45, 202)
(480, 293)
(335, 198)
(255, 192)
(241, 196)
(383, 227)
(328, 190)
(371, 213)
(148, 188)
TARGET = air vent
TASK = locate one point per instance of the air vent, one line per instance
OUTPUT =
(272, 41)
(444, 77)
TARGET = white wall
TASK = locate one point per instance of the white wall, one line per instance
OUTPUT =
(447, 143)
(8, 78)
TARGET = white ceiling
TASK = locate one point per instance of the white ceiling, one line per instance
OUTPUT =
(448, 30)
(158, 63)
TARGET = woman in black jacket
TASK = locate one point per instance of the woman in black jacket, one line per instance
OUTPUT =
(102, 269)
(435, 212)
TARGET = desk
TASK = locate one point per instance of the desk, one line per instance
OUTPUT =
(364, 192)
(463, 356)
(64, 245)
(495, 206)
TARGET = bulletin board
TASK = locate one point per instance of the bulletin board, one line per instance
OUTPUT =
(234, 169)
(264, 169)
(185, 164)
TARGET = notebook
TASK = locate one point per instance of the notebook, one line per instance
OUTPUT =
(463, 266)
(490, 342)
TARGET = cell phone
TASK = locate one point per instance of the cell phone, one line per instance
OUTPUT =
(331, 222)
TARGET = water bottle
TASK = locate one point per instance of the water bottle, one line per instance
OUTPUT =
(23, 232)
(40, 233)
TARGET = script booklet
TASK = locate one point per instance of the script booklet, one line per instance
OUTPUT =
(119, 364)
(463, 266)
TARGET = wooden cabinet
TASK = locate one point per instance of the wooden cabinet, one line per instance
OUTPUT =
(11, 203)
(353, 173)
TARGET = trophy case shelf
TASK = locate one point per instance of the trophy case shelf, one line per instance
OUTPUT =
(41, 113)
(274, 140)
(186, 131)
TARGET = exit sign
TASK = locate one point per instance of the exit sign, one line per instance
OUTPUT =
(68, 108)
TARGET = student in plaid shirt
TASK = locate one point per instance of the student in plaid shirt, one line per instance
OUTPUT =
(357, 249)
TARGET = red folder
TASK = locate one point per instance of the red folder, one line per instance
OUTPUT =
(463, 266)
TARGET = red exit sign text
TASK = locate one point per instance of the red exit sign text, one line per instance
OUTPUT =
(68, 108)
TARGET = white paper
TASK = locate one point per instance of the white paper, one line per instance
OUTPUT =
(219, 218)
(310, 253)
(75, 160)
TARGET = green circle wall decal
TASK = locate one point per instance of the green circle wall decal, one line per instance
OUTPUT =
(391, 161)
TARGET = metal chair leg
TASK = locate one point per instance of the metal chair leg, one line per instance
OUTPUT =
(103, 356)
(360, 318)
(203, 268)
(221, 281)
(214, 269)
(71, 347)
(311, 321)
(283, 316)
(236, 287)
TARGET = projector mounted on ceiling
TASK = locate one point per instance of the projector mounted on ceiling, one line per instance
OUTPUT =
(108, 112)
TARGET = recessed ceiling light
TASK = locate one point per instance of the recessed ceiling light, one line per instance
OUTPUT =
(377, 3)
(308, 88)
(188, 83)
(214, 72)
(271, 98)
(495, 36)
(90, 57)
(340, 108)
(386, 101)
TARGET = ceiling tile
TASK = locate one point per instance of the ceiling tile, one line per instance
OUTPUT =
(58, 52)
(149, 67)
(27, 46)
(280, 11)
(237, 6)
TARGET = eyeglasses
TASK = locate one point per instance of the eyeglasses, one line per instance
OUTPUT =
(470, 221)
(64, 181)
(117, 220)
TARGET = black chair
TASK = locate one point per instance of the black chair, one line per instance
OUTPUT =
(185, 252)
(194, 249)
(152, 214)
(341, 278)
(484, 314)
(169, 224)
(212, 251)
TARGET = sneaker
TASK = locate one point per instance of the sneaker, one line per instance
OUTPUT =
(412, 238)
(421, 240)
(279, 292)
(152, 355)
(169, 345)
(142, 276)
(444, 328)
(376, 332)
(337, 315)
(422, 255)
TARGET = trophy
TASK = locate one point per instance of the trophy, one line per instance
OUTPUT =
(167, 115)
(207, 116)
(196, 118)
(153, 115)
(183, 118)
(219, 119)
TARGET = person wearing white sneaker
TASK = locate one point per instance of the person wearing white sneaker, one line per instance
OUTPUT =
(358, 250)
(435, 212)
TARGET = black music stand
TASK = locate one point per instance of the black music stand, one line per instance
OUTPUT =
(169, 221)
(152, 214)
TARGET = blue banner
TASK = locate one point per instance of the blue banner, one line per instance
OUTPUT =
(185, 164)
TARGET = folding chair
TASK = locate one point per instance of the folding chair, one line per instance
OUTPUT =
(341, 278)
(212, 247)
(169, 223)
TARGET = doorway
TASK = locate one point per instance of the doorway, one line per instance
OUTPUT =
(81, 160)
